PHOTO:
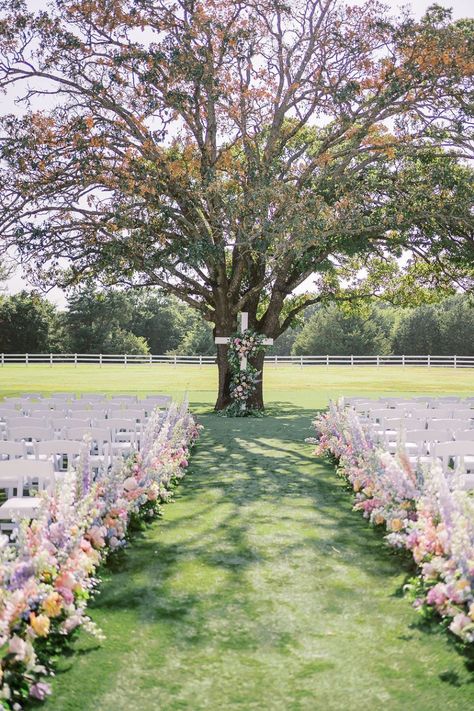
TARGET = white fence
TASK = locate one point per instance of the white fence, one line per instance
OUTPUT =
(448, 361)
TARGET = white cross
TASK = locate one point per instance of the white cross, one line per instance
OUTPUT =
(244, 324)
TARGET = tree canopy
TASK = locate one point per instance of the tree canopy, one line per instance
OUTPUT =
(226, 151)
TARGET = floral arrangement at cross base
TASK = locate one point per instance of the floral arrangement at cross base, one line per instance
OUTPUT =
(243, 383)
(48, 571)
(423, 510)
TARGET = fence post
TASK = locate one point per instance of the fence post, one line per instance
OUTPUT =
(151, 358)
(125, 359)
(75, 360)
(174, 360)
(276, 361)
(26, 358)
(352, 361)
(429, 361)
(200, 361)
(100, 360)
(50, 360)
(455, 361)
(3, 359)
(403, 360)
(378, 361)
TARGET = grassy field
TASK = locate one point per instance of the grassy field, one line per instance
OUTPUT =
(310, 386)
(260, 588)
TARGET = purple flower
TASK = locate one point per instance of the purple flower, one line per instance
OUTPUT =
(22, 573)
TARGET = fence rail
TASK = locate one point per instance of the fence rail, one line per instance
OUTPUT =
(430, 361)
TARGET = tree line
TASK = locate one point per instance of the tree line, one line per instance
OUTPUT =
(148, 321)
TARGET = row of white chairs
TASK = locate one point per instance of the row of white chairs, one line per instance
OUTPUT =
(36, 450)
(422, 434)
(27, 406)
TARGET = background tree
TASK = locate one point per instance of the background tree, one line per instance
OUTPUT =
(418, 332)
(456, 319)
(93, 318)
(335, 331)
(118, 340)
(225, 151)
(163, 321)
(446, 328)
(29, 324)
(111, 321)
(198, 339)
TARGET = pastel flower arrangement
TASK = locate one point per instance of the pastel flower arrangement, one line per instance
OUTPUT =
(243, 382)
(420, 509)
(47, 570)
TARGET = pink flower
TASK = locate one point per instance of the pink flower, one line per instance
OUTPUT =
(40, 691)
(130, 483)
(459, 624)
(66, 595)
(65, 580)
(17, 647)
(437, 595)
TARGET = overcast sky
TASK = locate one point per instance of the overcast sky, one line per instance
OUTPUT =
(461, 8)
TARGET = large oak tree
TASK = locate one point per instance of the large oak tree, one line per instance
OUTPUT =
(227, 150)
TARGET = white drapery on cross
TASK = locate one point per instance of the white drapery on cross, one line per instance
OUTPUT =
(244, 324)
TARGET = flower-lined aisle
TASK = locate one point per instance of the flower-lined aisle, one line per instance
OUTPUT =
(47, 573)
(420, 510)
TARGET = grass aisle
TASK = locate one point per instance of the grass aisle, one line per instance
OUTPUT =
(260, 589)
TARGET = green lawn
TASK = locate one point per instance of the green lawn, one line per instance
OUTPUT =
(259, 588)
(310, 386)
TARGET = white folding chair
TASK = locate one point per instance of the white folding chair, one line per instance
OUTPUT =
(12, 450)
(124, 396)
(124, 436)
(18, 475)
(463, 435)
(63, 453)
(8, 404)
(43, 414)
(35, 475)
(29, 435)
(456, 452)
(100, 439)
(13, 422)
(79, 405)
(447, 423)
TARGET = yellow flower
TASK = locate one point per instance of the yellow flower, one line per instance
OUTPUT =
(471, 611)
(52, 605)
(368, 491)
(396, 524)
(378, 518)
(40, 624)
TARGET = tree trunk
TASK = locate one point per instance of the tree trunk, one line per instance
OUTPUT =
(256, 401)
(223, 395)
